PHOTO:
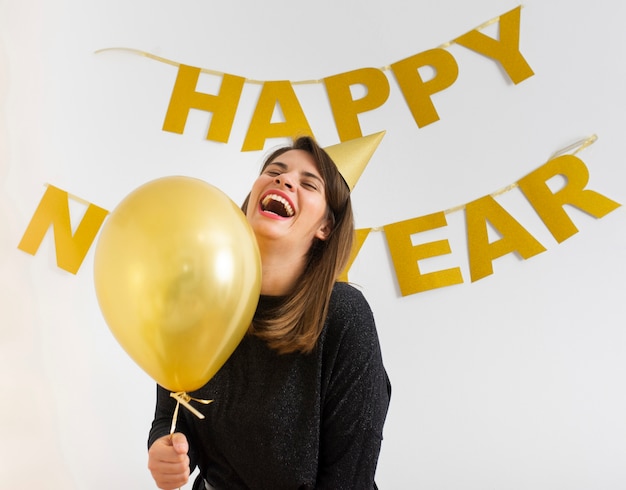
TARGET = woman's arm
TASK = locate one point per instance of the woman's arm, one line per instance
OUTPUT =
(357, 397)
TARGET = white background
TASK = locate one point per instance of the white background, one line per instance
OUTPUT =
(513, 382)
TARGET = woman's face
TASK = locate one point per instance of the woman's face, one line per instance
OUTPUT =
(288, 203)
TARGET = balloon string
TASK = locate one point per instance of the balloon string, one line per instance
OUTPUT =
(174, 417)
(173, 427)
(183, 398)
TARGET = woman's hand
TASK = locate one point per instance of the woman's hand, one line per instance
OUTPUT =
(168, 461)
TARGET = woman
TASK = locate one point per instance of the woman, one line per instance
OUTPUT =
(302, 401)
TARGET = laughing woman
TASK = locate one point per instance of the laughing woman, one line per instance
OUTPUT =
(302, 401)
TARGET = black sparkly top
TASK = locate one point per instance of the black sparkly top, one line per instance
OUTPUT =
(292, 421)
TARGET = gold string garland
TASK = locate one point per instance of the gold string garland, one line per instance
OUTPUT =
(210, 71)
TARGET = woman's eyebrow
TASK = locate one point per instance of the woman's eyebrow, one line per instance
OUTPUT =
(282, 165)
(313, 176)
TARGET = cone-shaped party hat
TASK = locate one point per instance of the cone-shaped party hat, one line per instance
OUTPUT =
(352, 156)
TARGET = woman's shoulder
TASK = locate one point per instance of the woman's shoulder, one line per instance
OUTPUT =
(346, 292)
(350, 338)
(348, 310)
(348, 301)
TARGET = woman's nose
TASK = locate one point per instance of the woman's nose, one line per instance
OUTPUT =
(283, 179)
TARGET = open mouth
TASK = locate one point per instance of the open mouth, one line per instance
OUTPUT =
(278, 205)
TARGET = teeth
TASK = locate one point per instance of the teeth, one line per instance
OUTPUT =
(280, 199)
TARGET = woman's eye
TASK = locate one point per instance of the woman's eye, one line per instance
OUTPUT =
(309, 185)
(272, 173)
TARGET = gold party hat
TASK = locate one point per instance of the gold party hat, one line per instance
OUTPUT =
(352, 156)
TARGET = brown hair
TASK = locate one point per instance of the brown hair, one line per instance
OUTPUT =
(295, 324)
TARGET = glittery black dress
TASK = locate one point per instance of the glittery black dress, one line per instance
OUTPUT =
(294, 421)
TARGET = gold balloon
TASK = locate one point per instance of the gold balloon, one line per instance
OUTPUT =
(177, 274)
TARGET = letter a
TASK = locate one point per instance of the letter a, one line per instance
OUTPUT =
(278, 94)
(514, 237)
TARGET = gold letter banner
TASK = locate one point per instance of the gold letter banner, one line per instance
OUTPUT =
(279, 96)
(514, 238)
(53, 212)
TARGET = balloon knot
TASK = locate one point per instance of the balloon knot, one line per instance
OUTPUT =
(183, 399)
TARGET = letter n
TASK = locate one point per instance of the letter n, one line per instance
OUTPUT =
(53, 210)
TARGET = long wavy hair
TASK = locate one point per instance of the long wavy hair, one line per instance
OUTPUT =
(295, 323)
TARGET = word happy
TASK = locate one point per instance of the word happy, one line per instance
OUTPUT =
(279, 96)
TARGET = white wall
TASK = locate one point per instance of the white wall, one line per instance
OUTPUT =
(511, 382)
